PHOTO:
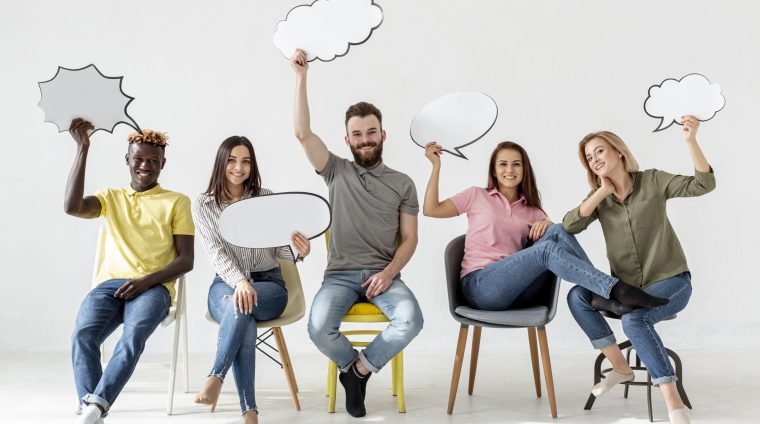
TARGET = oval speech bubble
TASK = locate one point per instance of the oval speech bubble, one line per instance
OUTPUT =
(691, 95)
(269, 220)
(454, 120)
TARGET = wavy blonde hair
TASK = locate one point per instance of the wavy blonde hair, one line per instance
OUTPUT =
(629, 162)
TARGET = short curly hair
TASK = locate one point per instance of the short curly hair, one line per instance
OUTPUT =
(157, 138)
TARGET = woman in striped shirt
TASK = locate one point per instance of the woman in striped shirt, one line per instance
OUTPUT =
(248, 286)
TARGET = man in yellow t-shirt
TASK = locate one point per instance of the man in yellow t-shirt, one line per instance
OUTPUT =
(146, 245)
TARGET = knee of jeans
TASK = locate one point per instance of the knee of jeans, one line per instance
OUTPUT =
(554, 229)
(410, 325)
(634, 322)
(321, 333)
(577, 296)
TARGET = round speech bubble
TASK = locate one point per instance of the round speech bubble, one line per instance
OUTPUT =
(269, 220)
(691, 95)
(454, 120)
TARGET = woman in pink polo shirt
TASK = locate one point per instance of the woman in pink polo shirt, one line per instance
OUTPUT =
(501, 220)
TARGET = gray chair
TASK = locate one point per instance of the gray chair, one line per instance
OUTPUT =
(532, 310)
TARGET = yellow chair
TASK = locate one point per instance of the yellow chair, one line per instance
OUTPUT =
(366, 312)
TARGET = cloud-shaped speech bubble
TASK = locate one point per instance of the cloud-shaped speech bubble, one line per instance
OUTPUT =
(454, 120)
(269, 220)
(691, 95)
(327, 28)
(85, 93)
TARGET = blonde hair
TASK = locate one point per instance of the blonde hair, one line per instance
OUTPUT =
(629, 162)
(149, 136)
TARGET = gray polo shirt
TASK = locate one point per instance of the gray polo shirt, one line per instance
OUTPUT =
(366, 206)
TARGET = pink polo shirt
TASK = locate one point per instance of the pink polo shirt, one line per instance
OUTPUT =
(495, 228)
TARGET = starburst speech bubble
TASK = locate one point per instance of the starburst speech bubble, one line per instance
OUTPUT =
(88, 94)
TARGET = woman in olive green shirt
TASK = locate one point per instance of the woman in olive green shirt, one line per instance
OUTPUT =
(642, 249)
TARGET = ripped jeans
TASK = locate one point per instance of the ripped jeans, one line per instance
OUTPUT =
(236, 345)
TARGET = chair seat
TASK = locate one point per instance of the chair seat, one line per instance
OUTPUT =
(527, 317)
(364, 308)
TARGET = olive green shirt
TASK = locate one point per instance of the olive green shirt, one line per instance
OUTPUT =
(641, 245)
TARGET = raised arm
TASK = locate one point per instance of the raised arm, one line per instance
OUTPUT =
(378, 283)
(74, 202)
(690, 127)
(315, 148)
(431, 206)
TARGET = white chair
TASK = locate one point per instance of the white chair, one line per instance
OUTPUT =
(294, 311)
(177, 316)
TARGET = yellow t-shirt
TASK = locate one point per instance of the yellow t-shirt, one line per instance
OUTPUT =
(139, 231)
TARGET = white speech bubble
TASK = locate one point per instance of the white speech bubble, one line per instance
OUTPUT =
(454, 120)
(270, 220)
(691, 95)
(88, 94)
(326, 29)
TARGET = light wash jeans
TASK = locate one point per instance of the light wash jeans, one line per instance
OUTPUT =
(339, 291)
(236, 345)
(99, 315)
(638, 325)
(495, 287)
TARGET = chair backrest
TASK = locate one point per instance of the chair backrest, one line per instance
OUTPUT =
(296, 307)
(545, 293)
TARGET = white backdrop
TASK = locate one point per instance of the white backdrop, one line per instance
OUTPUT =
(557, 69)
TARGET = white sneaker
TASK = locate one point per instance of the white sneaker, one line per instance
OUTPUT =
(90, 415)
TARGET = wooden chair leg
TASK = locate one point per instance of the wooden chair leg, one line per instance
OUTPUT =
(534, 359)
(458, 358)
(286, 366)
(548, 376)
(285, 357)
(474, 357)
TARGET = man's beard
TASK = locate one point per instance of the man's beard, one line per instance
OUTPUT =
(370, 159)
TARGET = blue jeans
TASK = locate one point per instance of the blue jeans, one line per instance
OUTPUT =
(99, 315)
(236, 345)
(638, 325)
(339, 291)
(495, 287)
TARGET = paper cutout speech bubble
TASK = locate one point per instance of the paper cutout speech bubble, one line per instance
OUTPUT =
(269, 220)
(326, 29)
(455, 120)
(691, 95)
(85, 93)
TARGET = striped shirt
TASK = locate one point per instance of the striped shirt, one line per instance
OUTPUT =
(232, 263)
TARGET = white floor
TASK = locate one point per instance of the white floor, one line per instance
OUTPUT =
(39, 388)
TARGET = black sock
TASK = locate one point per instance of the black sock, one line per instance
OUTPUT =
(601, 304)
(633, 296)
(352, 381)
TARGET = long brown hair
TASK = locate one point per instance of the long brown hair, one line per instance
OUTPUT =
(629, 162)
(528, 187)
(217, 185)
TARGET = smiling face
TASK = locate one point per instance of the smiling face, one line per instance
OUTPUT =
(508, 169)
(603, 159)
(238, 168)
(145, 162)
(365, 138)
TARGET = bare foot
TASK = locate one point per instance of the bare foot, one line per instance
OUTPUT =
(209, 394)
(251, 417)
